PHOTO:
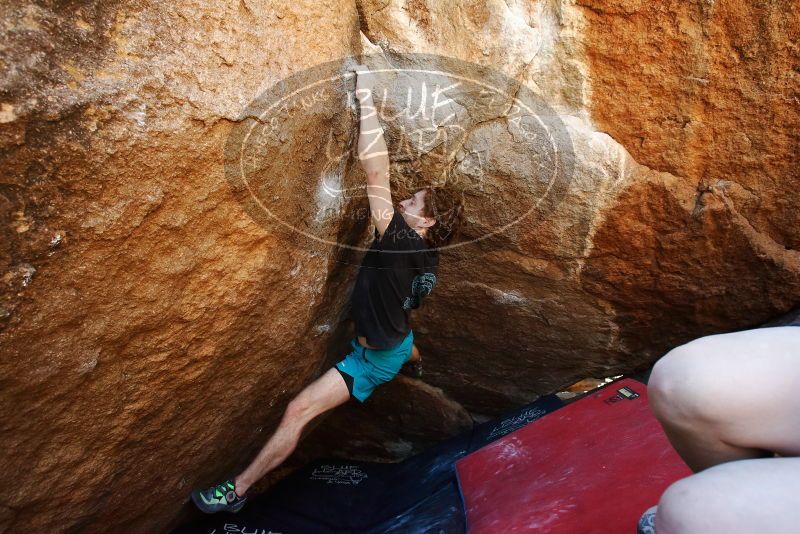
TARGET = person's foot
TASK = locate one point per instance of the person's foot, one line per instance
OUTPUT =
(647, 523)
(219, 498)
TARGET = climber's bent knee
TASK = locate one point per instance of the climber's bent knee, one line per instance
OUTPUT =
(325, 393)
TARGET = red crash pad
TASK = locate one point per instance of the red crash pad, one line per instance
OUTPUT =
(592, 466)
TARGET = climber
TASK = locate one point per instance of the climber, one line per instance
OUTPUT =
(397, 272)
(729, 404)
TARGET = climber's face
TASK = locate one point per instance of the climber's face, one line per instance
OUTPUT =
(413, 211)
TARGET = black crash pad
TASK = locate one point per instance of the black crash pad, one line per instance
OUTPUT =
(419, 494)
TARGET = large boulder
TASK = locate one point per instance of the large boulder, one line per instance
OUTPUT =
(679, 219)
(164, 296)
(150, 327)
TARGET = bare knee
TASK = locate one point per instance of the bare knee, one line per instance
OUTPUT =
(299, 410)
(685, 385)
(704, 502)
(680, 509)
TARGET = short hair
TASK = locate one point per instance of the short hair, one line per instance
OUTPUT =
(446, 206)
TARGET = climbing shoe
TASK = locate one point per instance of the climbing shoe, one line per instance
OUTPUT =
(219, 498)
(647, 523)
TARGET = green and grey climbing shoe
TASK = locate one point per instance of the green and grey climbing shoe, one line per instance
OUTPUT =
(219, 498)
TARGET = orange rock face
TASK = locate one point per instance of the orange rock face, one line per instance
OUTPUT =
(157, 314)
(709, 94)
(150, 326)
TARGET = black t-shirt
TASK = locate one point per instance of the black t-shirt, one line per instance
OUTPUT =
(397, 272)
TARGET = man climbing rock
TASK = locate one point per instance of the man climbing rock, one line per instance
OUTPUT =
(397, 272)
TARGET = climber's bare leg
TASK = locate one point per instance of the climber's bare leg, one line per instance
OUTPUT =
(730, 396)
(757, 495)
(325, 393)
(415, 356)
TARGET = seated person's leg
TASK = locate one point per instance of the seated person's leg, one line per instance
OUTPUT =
(730, 396)
(742, 497)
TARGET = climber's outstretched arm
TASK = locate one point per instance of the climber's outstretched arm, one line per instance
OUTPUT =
(372, 153)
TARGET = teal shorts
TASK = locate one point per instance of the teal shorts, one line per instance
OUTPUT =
(365, 369)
